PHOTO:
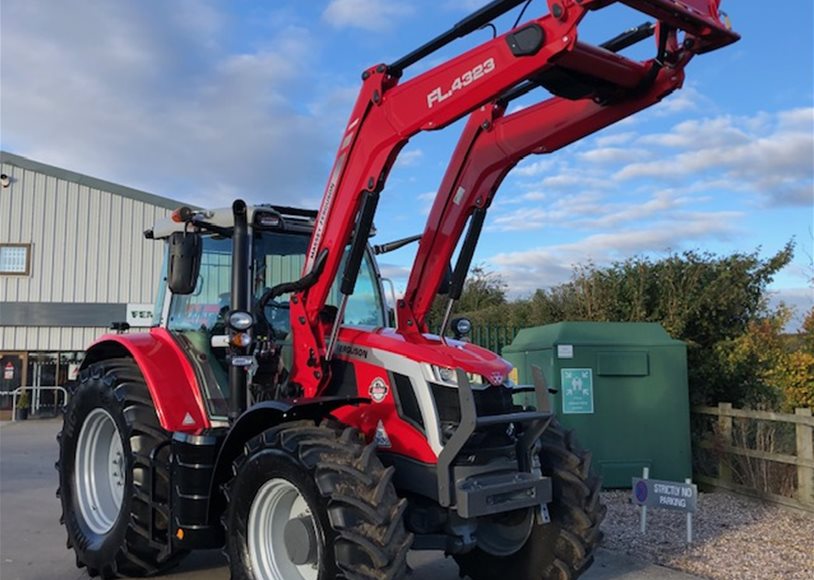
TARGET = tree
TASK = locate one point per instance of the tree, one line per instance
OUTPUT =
(483, 289)
(793, 371)
(700, 298)
(483, 292)
(711, 302)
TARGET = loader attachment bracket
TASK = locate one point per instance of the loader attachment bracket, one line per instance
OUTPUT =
(478, 490)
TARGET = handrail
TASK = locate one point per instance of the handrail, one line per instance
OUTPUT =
(19, 391)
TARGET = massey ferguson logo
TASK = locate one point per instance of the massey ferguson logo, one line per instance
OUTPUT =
(351, 350)
(378, 390)
(438, 95)
(496, 378)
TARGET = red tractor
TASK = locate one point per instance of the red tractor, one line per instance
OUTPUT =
(273, 410)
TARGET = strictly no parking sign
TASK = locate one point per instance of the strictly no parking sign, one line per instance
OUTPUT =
(577, 391)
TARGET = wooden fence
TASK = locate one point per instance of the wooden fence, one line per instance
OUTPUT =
(803, 458)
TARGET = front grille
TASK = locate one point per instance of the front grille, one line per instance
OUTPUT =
(492, 400)
(406, 400)
(447, 403)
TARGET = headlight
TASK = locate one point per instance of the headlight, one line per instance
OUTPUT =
(239, 320)
(461, 327)
(449, 377)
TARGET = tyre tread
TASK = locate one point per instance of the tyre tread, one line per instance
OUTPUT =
(576, 509)
(139, 555)
(370, 541)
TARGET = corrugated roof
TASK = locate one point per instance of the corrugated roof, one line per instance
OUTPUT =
(93, 182)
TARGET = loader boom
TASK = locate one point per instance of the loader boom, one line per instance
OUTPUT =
(492, 143)
(388, 113)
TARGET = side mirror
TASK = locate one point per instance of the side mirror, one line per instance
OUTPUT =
(184, 263)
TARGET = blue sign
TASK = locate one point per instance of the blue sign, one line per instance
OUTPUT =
(577, 387)
(640, 489)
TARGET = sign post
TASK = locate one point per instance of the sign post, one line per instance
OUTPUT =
(689, 517)
(645, 475)
(665, 494)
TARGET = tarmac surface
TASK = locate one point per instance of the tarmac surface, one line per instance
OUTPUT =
(32, 543)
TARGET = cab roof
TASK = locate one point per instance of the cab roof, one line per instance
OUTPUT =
(291, 219)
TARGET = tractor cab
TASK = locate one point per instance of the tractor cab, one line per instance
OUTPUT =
(194, 302)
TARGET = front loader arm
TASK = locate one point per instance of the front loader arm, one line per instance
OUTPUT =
(387, 113)
(385, 116)
(492, 143)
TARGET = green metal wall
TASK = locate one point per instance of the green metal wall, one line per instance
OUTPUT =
(640, 414)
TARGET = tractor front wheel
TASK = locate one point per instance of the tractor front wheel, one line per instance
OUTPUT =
(562, 549)
(313, 502)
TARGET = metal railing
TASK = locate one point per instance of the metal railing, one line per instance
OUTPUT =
(493, 337)
(35, 391)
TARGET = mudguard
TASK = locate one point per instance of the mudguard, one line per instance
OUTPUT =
(169, 376)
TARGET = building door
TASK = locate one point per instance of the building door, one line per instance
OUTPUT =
(12, 375)
(43, 368)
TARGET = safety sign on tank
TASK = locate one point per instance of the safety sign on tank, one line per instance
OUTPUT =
(577, 391)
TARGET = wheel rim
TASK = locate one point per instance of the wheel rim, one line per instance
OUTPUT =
(100, 471)
(277, 503)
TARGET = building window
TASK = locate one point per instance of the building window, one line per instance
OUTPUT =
(15, 259)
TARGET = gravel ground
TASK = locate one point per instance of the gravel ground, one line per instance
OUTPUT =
(734, 537)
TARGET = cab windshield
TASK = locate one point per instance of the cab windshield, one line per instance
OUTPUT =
(277, 257)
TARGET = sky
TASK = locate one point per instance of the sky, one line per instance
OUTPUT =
(205, 101)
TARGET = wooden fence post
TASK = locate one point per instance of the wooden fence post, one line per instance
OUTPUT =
(805, 450)
(725, 427)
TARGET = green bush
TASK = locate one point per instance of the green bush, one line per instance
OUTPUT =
(710, 302)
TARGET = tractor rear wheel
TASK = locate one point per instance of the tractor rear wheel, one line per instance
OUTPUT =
(109, 434)
(562, 549)
(313, 502)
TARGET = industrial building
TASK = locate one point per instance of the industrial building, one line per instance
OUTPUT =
(73, 259)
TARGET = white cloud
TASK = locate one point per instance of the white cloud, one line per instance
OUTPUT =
(534, 168)
(685, 100)
(662, 204)
(569, 181)
(140, 95)
(464, 5)
(771, 155)
(610, 155)
(546, 266)
(566, 207)
(700, 133)
(398, 274)
(615, 139)
(372, 15)
(409, 158)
